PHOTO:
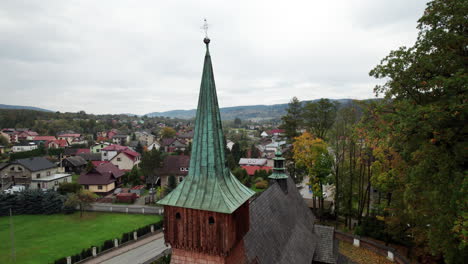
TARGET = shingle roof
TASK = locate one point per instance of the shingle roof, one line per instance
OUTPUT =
(281, 227)
(326, 249)
(35, 163)
(252, 169)
(114, 147)
(103, 174)
(172, 165)
(90, 156)
(76, 161)
(44, 138)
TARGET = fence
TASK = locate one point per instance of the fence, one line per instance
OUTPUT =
(380, 249)
(110, 245)
(127, 209)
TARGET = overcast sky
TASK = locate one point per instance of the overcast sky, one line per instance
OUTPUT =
(147, 56)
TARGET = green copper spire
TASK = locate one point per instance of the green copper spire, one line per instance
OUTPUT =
(279, 171)
(209, 185)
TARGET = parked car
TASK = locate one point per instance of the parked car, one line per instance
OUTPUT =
(15, 189)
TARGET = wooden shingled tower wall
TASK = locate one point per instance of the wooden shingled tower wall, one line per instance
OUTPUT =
(207, 215)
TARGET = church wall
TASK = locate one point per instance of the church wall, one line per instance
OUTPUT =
(204, 231)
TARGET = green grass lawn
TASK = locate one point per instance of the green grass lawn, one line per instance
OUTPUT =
(45, 238)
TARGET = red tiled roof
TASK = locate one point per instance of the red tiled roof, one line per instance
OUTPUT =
(276, 131)
(79, 151)
(252, 169)
(114, 147)
(99, 162)
(70, 135)
(44, 138)
(60, 142)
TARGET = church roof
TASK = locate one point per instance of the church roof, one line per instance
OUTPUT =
(210, 185)
(282, 230)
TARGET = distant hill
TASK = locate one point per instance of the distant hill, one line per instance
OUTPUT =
(248, 112)
(3, 106)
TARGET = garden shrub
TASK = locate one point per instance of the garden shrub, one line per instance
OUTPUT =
(261, 185)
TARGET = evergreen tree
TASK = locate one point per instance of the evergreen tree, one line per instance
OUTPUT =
(139, 148)
(292, 121)
(319, 117)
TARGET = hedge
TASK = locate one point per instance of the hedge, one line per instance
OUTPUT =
(108, 244)
(31, 202)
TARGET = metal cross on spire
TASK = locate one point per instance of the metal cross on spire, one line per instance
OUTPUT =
(205, 28)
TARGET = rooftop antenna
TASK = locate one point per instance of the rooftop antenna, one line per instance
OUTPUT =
(205, 27)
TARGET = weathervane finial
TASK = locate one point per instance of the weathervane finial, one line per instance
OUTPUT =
(205, 28)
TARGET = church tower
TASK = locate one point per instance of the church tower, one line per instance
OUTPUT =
(207, 215)
(279, 171)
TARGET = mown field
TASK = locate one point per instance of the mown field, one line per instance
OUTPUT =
(45, 238)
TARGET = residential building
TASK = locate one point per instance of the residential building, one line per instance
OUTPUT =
(26, 135)
(145, 138)
(120, 139)
(229, 144)
(24, 171)
(58, 143)
(155, 145)
(110, 151)
(173, 144)
(252, 162)
(187, 136)
(24, 146)
(96, 148)
(102, 179)
(69, 137)
(252, 169)
(51, 182)
(11, 134)
(75, 164)
(177, 166)
(6, 136)
(126, 159)
(43, 139)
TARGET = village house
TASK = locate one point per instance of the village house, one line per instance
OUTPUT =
(96, 148)
(6, 136)
(70, 152)
(154, 145)
(173, 165)
(26, 135)
(10, 134)
(75, 164)
(173, 144)
(252, 162)
(121, 139)
(102, 179)
(57, 143)
(69, 137)
(187, 136)
(43, 139)
(35, 173)
(110, 151)
(126, 159)
(145, 138)
(24, 146)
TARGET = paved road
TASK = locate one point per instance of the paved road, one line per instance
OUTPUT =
(139, 254)
(136, 253)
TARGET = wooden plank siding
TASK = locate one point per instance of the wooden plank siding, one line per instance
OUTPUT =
(192, 231)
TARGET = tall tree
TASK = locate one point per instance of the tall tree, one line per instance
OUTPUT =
(292, 121)
(319, 117)
(425, 121)
(168, 132)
